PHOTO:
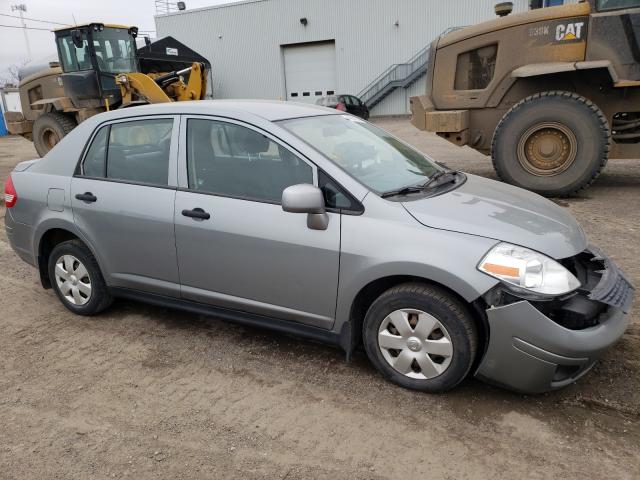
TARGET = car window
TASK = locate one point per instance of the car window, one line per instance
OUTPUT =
(232, 160)
(137, 151)
(334, 195)
(356, 101)
(94, 161)
(347, 100)
(332, 101)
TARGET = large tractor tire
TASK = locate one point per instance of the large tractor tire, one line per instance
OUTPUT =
(553, 143)
(49, 129)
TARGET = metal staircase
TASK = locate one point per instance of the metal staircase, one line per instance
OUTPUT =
(398, 75)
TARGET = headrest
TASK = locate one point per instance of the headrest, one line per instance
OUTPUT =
(138, 135)
(249, 141)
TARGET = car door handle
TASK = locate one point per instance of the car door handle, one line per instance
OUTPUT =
(196, 213)
(87, 197)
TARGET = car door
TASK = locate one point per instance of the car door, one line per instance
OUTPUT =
(236, 247)
(123, 199)
(363, 111)
(348, 102)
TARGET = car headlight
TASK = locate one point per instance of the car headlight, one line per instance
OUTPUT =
(528, 270)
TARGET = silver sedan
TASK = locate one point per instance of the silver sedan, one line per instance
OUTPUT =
(315, 222)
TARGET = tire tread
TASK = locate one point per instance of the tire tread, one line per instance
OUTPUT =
(572, 96)
(455, 306)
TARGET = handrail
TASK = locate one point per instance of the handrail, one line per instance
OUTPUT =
(398, 74)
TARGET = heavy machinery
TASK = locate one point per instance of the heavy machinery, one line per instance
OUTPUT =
(99, 68)
(550, 93)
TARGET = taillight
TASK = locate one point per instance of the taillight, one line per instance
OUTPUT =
(10, 194)
(341, 107)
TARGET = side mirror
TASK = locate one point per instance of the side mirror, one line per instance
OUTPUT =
(305, 198)
(76, 37)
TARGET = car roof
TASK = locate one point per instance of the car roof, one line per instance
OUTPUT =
(271, 110)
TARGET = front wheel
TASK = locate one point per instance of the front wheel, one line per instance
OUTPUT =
(420, 337)
(553, 143)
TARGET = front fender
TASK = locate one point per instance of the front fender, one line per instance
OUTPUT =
(547, 68)
(373, 249)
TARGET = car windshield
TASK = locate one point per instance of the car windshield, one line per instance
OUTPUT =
(374, 157)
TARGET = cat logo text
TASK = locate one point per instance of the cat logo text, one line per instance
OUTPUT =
(569, 31)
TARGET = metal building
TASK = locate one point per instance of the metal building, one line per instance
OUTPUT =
(301, 49)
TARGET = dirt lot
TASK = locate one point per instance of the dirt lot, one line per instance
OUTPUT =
(144, 392)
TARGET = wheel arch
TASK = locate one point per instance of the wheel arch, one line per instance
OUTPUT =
(47, 237)
(538, 78)
(363, 299)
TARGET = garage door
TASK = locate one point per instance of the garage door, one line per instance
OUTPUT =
(310, 71)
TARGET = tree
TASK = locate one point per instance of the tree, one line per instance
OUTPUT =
(10, 76)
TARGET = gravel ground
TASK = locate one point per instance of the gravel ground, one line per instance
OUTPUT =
(146, 392)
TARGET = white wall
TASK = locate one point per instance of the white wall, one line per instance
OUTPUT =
(243, 40)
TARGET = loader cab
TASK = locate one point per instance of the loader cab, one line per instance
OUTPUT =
(614, 35)
(91, 56)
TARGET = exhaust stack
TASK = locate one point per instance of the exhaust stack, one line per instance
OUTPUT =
(503, 9)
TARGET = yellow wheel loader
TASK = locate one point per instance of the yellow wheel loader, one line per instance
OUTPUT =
(550, 93)
(98, 69)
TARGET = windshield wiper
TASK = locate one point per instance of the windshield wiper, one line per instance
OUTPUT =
(402, 191)
(449, 174)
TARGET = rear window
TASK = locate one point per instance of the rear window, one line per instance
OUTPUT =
(136, 151)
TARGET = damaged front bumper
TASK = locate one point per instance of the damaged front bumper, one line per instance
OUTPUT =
(534, 349)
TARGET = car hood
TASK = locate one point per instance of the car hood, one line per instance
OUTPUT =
(496, 210)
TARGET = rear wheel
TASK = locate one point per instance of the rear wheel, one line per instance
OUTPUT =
(553, 143)
(49, 129)
(77, 280)
(420, 337)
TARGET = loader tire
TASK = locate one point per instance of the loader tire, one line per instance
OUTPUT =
(553, 143)
(49, 129)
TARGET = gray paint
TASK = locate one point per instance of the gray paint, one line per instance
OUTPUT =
(489, 209)
(55, 199)
(254, 257)
(243, 41)
(526, 347)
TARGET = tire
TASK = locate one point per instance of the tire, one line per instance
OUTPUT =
(442, 341)
(553, 143)
(70, 277)
(49, 129)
